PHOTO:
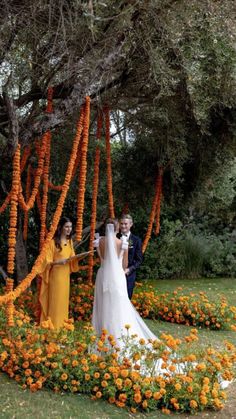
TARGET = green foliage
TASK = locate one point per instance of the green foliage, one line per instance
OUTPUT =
(190, 249)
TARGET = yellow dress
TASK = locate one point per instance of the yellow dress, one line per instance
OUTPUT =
(55, 286)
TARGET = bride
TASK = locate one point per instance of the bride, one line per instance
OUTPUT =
(112, 308)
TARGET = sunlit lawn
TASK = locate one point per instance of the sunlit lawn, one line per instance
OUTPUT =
(16, 403)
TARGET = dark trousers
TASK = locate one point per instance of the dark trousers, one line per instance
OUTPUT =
(130, 285)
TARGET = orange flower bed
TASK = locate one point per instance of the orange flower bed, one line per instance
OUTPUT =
(75, 360)
(192, 310)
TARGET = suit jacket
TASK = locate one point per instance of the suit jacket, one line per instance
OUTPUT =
(135, 256)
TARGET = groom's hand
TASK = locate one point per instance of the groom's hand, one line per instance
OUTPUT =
(96, 243)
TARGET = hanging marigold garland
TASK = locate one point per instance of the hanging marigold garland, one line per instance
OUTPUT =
(39, 203)
(24, 159)
(94, 197)
(59, 187)
(43, 212)
(108, 158)
(13, 211)
(5, 203)
(10, 304)
(54, 187)
(11, 296)
(158, 209)
(26, 206)
(83, 172)
(153, 211)
(27, 195)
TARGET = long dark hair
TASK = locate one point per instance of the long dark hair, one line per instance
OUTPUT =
(57, 235)
(113, 221)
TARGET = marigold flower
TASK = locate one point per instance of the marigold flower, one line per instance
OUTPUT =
(137, 398)
(193, 404)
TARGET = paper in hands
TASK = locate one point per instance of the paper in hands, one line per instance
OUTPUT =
(80, 256)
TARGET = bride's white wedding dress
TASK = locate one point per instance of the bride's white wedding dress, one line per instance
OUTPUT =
(112, 308)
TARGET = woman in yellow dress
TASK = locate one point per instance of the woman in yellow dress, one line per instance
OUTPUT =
(55, 274)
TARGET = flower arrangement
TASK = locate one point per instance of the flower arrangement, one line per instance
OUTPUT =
(176, 307)
(192, 310)
(75, 360)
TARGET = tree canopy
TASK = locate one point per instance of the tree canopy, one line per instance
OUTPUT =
(168, 66)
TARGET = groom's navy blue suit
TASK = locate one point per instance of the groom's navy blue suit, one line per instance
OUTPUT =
(135, 258)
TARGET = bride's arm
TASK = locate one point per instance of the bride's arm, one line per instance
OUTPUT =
(101, 248)
(123, 252)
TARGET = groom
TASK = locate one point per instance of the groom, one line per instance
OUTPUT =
(135, 255)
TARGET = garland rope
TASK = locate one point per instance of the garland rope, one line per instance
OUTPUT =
(153, 210)
(83, 172)
(94, 197)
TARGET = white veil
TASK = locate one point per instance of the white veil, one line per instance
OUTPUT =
(113, 279)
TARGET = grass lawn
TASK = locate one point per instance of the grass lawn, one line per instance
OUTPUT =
(18, 403)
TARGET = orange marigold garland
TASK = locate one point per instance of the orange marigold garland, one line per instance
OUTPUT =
(109, 171)
(39, 203)
(83, 172)
(59, 187)
(158, 209)
(36, 268)
(10, 305)
(24, 159)
(26, 206)
(13, 211)
(94, 197)
(27, 195)
(43, 212)
(55, 187)
(153, 212)
(5, 203)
